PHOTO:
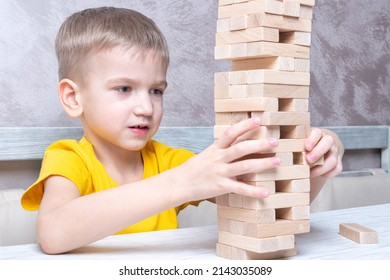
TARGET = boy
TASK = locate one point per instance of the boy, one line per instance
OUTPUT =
(112, 67)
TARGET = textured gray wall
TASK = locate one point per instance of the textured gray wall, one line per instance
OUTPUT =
(349, 61)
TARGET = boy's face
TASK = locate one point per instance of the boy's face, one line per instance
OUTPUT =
(122, 98)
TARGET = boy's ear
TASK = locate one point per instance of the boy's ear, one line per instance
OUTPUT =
(69, 94)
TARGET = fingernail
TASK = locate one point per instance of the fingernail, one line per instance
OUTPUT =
(312, 158)
(273, 142)
(276, 161)
(256, 121)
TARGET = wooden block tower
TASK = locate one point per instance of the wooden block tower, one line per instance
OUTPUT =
(268, 44)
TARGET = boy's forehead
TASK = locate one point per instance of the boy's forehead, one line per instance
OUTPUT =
(135, 53)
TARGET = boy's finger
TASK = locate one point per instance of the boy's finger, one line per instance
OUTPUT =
(314, 137)
(235, 131)
(248, 147)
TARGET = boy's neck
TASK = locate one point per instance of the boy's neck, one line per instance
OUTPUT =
(121, 165)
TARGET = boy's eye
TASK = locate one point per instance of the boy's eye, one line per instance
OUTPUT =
(156, 91)
(124, 89)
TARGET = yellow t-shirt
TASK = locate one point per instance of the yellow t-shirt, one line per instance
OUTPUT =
(76, 161)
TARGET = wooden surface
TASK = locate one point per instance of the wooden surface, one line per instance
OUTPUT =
(322, 242)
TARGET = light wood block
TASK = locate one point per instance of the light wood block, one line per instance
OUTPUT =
(306, 12)
(276, 201)
(266, 6)
(258, 133)
(260, 90)
(225, 2)
(262, 245)
(232, 226)
(233, 253)
(310, 3)
(295, 132)
(222, 200)
(280, 227)
(301, 65)
(246, 215)
(293, 105)
(279, 173)
(272, 63)
(256, 34)
(293, 186)
(260, 49)
(270, 186)
(277, 77)
(296, 38)
(246, 104)
(358, 233)
(239, 22)
(282, 23)
(291, 8)
(294, 213)
(283, 118)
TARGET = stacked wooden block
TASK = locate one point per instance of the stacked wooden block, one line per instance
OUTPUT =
(268, 44)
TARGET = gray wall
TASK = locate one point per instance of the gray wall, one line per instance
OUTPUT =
(349, 61)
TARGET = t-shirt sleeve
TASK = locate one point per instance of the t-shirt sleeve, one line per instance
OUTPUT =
(61, 159)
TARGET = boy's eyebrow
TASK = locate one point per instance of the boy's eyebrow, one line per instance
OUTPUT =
(124, 80)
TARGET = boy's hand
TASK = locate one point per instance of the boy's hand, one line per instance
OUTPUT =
(213, 172)
(323, 142)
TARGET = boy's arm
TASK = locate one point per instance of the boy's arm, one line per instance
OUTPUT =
(323, 142)
(68, 221)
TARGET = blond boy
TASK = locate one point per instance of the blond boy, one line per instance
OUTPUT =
(116, 179)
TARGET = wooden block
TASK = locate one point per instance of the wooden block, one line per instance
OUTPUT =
(282, 23)
(277, 77)
(256, 34)
(296, 38)
(358, 233)
(276, 201)
(287, 145)
(291, 8)
(222, 200)
(225, 2)
(235, 200)
(262, 245)
(260, 90)
(279, 173)
(223, 118)
(293, 186)
(293, 105)
(270, 186)
(280, 227)
(246, 215)
(306, 12)
(310, 3)
(295, 132)
(260, 49)
(277, 90)
(294, 213)
(235, 227)
(283, 118)
(266, 6)
(239, 22)
(246, 104)
(272, 63)
(301, 65)
(258, 133)
(233, 253)
(239, 116)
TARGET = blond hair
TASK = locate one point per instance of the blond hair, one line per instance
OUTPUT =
(93, 30)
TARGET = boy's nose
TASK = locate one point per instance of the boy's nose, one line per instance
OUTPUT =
(144, 105)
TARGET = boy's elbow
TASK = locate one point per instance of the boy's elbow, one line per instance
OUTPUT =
(51, 239)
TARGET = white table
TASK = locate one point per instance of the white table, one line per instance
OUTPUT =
(322, 242)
